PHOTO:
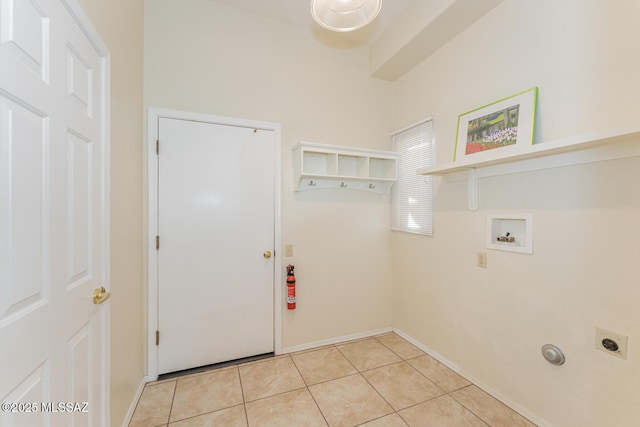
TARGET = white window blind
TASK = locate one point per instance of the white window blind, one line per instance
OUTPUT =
(412, 198)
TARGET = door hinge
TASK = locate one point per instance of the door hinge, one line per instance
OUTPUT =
(157, 337)
(157, 146)
(157, 242)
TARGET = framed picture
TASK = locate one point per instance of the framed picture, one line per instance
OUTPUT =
(499, 129)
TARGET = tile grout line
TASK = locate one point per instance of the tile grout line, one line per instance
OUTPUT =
(465, 406)
(209, 412)
(173, 398)
(359, 372)
(508, 408)
(446, 393)
(299, 373)
(279, 393)
(191, 417)
(379, 394)
(244, 401)
(309, 391)
(416, 404)
(441, 396)
(403, 360)
(276, 394)
(371, 369)
(347, 359)
(372, 386)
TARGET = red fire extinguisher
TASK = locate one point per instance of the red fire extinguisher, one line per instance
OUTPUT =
(291, 288)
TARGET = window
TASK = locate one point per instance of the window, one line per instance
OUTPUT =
(412, 198)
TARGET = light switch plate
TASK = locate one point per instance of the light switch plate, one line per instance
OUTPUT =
(288, 250)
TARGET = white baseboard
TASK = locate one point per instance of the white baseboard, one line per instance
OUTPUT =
(336, 340)
(432, 353)
(519, 409)
(134, 403)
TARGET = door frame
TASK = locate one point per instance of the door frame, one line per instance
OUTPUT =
(153, 117)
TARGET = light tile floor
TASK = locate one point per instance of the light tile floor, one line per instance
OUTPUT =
(383, 381)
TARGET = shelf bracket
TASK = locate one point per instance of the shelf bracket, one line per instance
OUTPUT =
(472, 190)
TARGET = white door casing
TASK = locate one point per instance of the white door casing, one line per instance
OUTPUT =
(181, 123)
(54, 341)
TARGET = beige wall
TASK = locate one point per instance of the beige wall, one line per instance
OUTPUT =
(207, 58)
(584, 272)
(119, 23)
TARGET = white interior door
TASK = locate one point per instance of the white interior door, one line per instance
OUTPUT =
(216, 221)
(53, 218)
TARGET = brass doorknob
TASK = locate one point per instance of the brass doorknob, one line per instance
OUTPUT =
(100, 295)
(267, 254)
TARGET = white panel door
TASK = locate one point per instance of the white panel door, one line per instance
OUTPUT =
(216, 220)
(53, 218)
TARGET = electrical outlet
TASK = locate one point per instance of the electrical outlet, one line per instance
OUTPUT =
(611, 343)
(288, 250)
(482, 259)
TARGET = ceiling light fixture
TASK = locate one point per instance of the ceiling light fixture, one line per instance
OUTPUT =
(344, 15)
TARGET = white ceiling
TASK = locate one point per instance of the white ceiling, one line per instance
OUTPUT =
(298, 13)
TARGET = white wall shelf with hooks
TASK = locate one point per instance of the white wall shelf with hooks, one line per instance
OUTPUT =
(318, 166)
(589, 148)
